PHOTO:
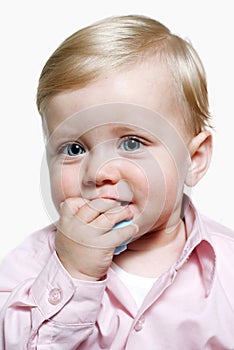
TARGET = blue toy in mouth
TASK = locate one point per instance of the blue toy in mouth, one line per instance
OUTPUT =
(123, 246)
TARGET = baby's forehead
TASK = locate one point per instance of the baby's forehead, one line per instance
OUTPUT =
(125, 116)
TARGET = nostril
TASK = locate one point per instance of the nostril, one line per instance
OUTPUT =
(90, 183)
(108, 173)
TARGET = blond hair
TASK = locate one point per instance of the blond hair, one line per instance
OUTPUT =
(122, 41)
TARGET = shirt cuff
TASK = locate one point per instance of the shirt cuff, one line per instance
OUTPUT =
(64, 299)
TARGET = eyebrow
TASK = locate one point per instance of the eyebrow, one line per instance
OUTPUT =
(129, 129)
(132, 129)
(124, 128)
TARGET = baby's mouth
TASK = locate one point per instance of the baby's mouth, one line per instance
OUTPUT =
(124, 203)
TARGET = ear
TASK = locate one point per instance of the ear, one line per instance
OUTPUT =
(200, 150)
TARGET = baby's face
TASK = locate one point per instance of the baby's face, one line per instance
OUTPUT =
(121, 138)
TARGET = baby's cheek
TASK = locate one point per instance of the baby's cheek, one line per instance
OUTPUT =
(64, 184)
(69, 180)
(174, 184)
(150, 186)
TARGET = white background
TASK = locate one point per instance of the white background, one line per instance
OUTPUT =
(31, 30)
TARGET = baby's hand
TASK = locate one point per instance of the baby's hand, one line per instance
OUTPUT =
(85, 241)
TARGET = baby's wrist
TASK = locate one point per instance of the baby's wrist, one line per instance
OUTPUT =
(82, 277)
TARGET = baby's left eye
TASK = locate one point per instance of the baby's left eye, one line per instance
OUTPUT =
(131, 144)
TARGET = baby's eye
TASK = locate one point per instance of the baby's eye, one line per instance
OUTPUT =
(131, 144)
(74, 149)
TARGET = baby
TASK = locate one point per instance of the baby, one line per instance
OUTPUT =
(130, 263)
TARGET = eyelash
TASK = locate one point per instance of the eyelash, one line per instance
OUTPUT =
(131, 138)
(65, 149)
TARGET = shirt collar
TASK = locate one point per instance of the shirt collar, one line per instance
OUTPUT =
(198, 240)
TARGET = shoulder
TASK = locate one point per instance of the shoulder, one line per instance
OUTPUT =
(29, 257)
(38, 242)
(218, 232)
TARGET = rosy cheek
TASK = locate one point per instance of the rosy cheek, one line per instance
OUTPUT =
(145, 184)
(64, 183)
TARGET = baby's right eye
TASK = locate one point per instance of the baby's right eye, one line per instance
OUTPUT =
(73, 150)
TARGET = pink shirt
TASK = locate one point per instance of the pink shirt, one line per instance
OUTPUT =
(190, 307)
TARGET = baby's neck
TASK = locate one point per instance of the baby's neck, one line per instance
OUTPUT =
(153, 254)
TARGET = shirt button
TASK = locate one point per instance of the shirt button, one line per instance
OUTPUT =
(55, 296)
(139, 324)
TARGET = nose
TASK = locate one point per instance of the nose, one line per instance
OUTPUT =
(101, 167)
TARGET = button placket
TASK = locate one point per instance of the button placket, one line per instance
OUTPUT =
(55, 296)
(139, 324)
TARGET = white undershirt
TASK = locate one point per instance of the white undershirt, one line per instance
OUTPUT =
(137, 285)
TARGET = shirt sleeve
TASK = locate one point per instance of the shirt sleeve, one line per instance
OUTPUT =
(48, 310)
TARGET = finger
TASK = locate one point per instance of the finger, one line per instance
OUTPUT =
(92, 209)
(109, 218)
(71, 206)
(118, 236)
